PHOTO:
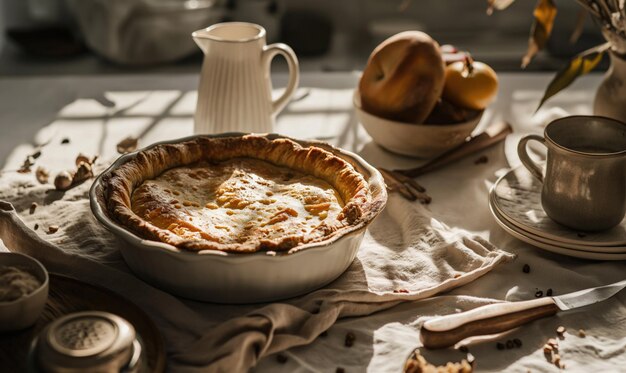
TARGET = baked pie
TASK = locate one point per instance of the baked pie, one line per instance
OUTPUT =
(238, 194)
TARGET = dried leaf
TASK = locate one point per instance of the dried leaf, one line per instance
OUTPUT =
(497, 5)
(545, 12)
(578, 66)
(579, 26)
(127, 145)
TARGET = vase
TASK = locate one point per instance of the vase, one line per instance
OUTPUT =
(610, 98)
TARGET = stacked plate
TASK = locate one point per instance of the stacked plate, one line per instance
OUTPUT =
(515, 202)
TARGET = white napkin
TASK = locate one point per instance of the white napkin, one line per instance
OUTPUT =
(406, 255)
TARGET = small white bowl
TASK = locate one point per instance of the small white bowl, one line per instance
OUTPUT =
(414, 140)
(24, 312)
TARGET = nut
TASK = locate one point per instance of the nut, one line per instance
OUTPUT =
(547, 349)
(82, 158)
(42, 175)
(554, 343)
(560, 330)
(83, 173)
(63, 180)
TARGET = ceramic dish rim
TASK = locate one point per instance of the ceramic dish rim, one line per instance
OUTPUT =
(552, 248)
(375, 182)
(356, 103)
(588, 249)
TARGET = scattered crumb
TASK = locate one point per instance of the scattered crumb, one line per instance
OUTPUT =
(33, 207)
(470, 358)
(526, 268)
(457, 275)
(418, 364)
(65, 141)
(538, 294)
(560, 330)
(481, 160)
(350, 338)
(404, 291)
(53, 229)
(581, 333)
(464, 349)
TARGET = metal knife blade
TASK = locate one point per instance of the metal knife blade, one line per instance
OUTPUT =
(586, 297)
(495, 318)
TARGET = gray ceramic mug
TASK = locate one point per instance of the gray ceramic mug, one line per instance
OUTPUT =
(584, 186)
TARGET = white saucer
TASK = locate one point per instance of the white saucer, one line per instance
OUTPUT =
(524, 236)
(517, 198)
(565, 245)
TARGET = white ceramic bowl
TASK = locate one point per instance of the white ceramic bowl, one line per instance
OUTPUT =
(415, 140)
(221, 277)
(24, 312)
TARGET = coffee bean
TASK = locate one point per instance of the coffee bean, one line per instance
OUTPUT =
(65, 141)
(350, 338)
(526, 268)
(481, 160)
(509, 344)
(538, 294)
(549, 292)
(464, 349)
(517, 342)
(340, 370)
(500, 346)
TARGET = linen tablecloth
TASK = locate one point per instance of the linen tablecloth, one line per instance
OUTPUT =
(459, 194)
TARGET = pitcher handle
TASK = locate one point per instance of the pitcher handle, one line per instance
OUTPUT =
(269, 52)
(525, 158)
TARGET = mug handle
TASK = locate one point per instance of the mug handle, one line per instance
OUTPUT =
(525, 158)
(269, 52)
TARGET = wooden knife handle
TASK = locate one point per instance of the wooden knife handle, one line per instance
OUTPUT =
(446, 331)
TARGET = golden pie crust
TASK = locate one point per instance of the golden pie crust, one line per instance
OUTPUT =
(237, 194)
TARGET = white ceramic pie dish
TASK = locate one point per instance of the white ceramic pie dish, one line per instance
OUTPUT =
(221, 277)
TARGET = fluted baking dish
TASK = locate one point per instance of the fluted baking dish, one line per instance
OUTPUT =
(217, 276)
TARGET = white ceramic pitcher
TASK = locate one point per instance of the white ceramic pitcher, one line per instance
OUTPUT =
(235, 92)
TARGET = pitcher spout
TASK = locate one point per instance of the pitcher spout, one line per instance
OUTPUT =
(199, 37)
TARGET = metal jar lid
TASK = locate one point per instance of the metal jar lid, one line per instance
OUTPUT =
(87, 341)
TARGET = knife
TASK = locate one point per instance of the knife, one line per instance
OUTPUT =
(446, 331)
